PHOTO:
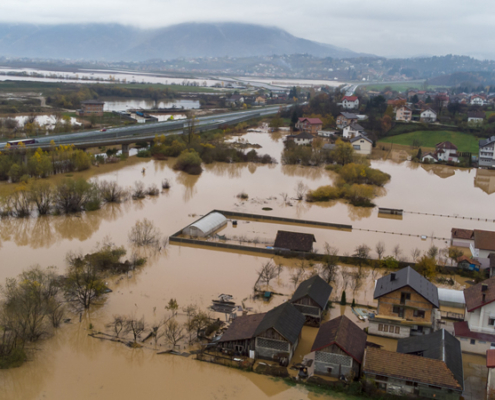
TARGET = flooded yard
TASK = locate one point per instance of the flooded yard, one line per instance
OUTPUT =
(73, 365)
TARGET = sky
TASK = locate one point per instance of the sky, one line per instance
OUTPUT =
(390, 28)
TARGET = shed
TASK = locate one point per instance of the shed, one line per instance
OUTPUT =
(294, 241)
(206, 225)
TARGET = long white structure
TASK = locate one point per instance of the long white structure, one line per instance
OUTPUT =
(206, 225)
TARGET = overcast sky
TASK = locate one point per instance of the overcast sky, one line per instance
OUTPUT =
(381, 27)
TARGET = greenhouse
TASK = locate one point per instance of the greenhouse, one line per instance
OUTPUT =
(206, 225)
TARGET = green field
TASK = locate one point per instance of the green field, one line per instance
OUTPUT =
(463, 141)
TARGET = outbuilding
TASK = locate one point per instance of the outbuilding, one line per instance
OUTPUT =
(206, 225)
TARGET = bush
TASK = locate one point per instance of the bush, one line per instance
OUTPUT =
(152, 190)
(14, 359)
(165, 184)
(138, 192)
(143, 153)
(324, 193)
(189, 161)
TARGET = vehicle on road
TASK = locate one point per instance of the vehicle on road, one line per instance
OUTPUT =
(24, 141)
(103, 130)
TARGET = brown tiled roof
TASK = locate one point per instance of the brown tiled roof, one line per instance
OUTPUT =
(461, 329)
(312, 121)
(490, 358)
(345, 334)
(484, 240)
(474, 294)
(410, 368)
(458, 233)
(294, 241)
(242, 328)
(446, 145)
(469, 260)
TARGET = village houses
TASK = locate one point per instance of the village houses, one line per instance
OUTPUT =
(407, 305)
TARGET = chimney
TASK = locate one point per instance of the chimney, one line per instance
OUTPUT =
(484, 298)
(392, 276)
(484, 287)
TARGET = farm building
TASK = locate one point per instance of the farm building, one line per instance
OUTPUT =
(294, 241)
(206, 225)
(311, 299)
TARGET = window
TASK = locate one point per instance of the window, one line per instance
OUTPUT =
(404, 297)
(491, 321)
(397, 329)
(472, 341)
(419, 313)
(381, 378)
(385, 328)
(409, 383)
(380, 327)
(329, 370)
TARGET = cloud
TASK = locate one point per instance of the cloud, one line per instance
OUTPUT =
(382, 27)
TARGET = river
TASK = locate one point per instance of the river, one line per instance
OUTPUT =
(73, 365)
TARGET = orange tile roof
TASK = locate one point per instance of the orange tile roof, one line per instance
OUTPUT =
(410, 368)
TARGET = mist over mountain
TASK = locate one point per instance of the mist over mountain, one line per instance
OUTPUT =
(113, 42)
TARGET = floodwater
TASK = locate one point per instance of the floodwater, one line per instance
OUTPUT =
(47, 121)
(73, 365)
(123, 105)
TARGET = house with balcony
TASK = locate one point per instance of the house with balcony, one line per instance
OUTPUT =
(477, 331)
(486, 156)
(403, 113)
(310, 125)
(345, 118)
(407, 305)
(311, 299)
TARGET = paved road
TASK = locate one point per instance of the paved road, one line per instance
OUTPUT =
(132, 133)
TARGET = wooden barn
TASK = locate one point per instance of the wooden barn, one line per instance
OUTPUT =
(311, 299)
(294, 241)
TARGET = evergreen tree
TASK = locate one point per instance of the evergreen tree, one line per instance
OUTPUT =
(420, 154)
(343, 301)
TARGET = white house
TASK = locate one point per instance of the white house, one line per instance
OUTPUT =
(477, 101)
(477, 331)
(476, 117)
(486, 152)
(303, 138)
(447, 151)
(352, 130)
(428, 116)
(483, 246)
(350, 102)
(362, 145)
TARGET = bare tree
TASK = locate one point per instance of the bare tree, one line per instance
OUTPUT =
(298, 275)
(330, 265)
(397, 252)
(432, 251)
(118, 324)
(300, 190)
(135, 326)
(380, 249)
(173, 332)
(415, 253)
(41, 195)
(346, 275)
(267, 272)
(358, 278)
(172, 306)
(152, 190)
(144, 233)
(111, 192)
(138, 192)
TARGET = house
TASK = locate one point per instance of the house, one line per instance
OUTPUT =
(439, 345)
(354, 129)
(486, 153)
(311, 299)
(490, 365)
(483, 246)
(477, 331)
(311, 125)
(235, 99)
(350, 102)
(362, 145)
(477, 100)
(294, 241)
(273, 335)
(410, 375)
(428, 116)
(339, 348)
(461, 237)
(476, 117)
(463, 262)
(303, 138)
(429, 157)
(260, 100)
(407, 304)
(404, 113)
(345, 118)
(91, 107)
(444, 151)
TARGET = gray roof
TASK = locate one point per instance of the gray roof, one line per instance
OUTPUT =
(349, 115)
(407, 277)
(316, 289)
(439, 345)
(361, 137)
(285, 319)
(484, 142)
(355, 126)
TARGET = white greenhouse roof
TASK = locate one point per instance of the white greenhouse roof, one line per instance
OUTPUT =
(210, 222)
(451, 296)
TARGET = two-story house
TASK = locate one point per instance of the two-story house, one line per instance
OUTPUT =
(303, 138)
(404, 113)
(482, 246)
(476, 117)
(338, 348)
(477, 331)
(354, 129)
(350, 102)
(345, 118)
(477, 100)
(444, 151)
(362, 145)
(407, 305)
(428, 116)
(311, 299)
(486, 152)
(311, 125)
(91, 107)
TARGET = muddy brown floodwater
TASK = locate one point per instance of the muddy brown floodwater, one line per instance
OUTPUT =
(73, 365)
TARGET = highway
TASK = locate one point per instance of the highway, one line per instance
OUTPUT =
(133, 133)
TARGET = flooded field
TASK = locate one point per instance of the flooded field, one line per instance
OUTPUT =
(73, 365)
